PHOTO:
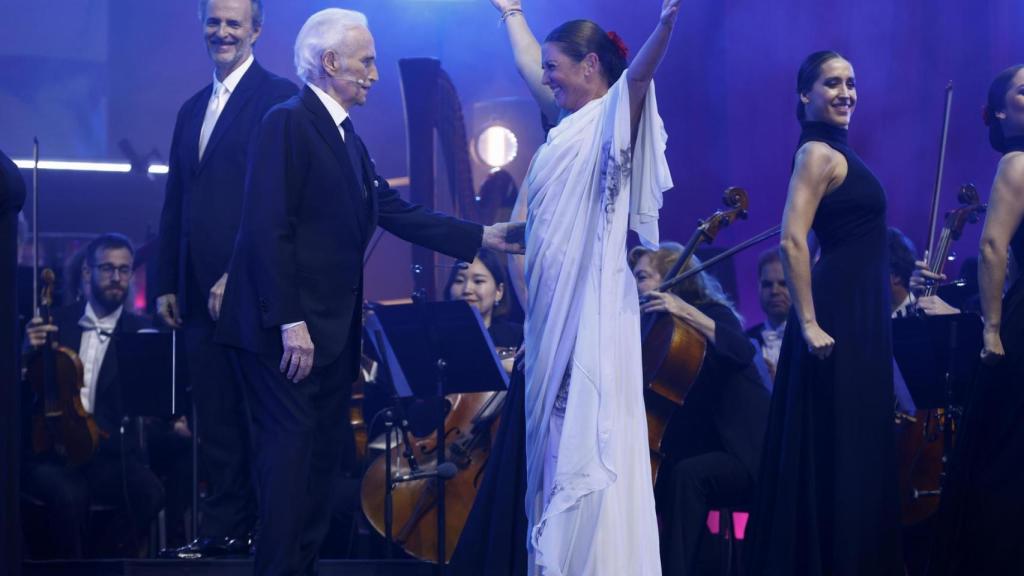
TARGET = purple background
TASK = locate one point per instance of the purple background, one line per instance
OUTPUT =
(85, 74)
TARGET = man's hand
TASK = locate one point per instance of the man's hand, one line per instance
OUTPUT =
(923, 277)
(167, 308)
(297, 360)
(935, 306)
(37, 331)
(216, 297)
(506, 237)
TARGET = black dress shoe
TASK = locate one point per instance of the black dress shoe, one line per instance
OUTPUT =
(204, 548)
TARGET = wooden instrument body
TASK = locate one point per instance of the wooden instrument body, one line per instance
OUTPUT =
(921, 445)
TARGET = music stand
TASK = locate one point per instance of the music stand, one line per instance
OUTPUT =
(429, 350)
(939, 358)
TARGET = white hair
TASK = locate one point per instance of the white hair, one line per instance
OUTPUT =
(323, 31)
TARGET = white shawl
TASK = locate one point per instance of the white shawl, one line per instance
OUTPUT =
(585, 189)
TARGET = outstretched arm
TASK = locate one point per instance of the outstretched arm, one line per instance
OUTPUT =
(641, 70)
(526, 53)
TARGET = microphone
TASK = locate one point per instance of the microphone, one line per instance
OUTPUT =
(445, 472)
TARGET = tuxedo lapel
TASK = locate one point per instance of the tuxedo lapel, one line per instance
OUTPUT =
(332, 136)
(251, 80)
(193, 126)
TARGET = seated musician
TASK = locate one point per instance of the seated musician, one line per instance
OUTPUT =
(773, 293)
(713, 443)
(116, 470)
(907, 276)
(482, 283)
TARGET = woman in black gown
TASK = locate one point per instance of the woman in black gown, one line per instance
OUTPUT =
(980, 529)
(827, 492)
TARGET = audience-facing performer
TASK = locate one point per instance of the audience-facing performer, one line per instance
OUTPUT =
(202, 208)
(773, 294)
(601, 171)
(827, 496)
(979, 519)
(294, 292)
(713, 442)
(91, 328)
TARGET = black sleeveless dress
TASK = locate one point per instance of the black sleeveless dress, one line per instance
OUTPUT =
(981, 517)
(827, 500)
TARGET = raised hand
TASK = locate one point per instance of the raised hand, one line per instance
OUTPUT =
(669, 11)
(505, 5)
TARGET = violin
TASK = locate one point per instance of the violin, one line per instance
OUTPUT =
(922, 437)
(673, 351)
(60, 423)
(471, 424)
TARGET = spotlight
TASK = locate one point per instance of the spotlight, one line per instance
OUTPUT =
(496, 146)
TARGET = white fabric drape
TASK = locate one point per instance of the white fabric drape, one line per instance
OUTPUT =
(589, 497)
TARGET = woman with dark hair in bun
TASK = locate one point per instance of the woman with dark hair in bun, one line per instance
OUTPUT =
(602, 171)
(982, 503)
(827, 498)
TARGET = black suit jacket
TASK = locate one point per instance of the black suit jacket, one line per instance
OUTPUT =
(755, 333)
(203, 201)
(108, 408)
(305, 226)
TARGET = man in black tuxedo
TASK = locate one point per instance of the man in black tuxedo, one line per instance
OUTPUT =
(91, 328)
(202, 208)
(294, 292)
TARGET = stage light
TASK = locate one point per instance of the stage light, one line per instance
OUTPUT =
(496, 146)
(122, 167)
(158, 169)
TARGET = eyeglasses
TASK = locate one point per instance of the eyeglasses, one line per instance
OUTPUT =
(108, 269)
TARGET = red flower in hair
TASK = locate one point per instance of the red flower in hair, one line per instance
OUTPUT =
(619, 43)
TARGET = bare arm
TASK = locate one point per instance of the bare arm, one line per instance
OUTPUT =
(818, 170)
(1004, 214)
(526, 53)
(641, 70)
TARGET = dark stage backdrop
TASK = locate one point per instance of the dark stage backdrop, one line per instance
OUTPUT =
(83, 74)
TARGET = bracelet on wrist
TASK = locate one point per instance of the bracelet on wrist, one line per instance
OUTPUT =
(508, 13)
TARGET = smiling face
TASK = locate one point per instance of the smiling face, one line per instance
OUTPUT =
(572, 83)
(1012, 115)
(352, 67)
(475, 284)
(833, 96)
(230, 33)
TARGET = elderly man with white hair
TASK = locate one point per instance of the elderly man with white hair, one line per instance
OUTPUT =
(292, 303)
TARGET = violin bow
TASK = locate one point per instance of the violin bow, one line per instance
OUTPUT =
(938, 177)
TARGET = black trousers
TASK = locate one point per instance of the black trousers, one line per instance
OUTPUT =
(229, 509)
(67, 493)
(697, 485)
(301, 433)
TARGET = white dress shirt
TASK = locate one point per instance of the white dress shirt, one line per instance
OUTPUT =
(219, 100)
(96, 334)
(772, 338)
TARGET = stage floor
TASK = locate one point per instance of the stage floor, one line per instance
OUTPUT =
(216, 568)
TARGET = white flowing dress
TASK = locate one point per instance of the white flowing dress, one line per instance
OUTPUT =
(589, 498)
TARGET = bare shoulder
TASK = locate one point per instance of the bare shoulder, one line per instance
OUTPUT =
(819, 162)
(1011, 172)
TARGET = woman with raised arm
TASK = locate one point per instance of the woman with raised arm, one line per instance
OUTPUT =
(602, 171)
(982, 504)
(827, 498)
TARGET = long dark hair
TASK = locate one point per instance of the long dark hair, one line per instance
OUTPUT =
(808, 74)
(996, 102)
(577, 38)
(494, 265)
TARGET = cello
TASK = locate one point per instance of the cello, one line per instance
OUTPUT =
(471, 423)
(673, 351)
(922, 438)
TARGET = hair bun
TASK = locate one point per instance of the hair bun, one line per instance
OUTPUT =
(619, 43)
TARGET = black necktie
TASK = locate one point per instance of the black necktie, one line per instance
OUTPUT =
(354, 154)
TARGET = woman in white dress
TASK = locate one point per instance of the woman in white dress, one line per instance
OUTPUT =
(601, 172)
